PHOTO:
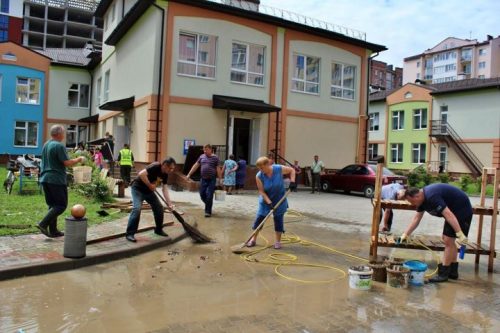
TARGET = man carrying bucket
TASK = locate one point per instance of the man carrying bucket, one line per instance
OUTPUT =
(446, 201)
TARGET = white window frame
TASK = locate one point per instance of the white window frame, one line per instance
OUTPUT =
(25, 128)
(372, 148)
(482, 52)
(481, 64)
(417, 147)
(246, 71)
(397, 152)
(304, 80)
(29, 91)
(342, 88)
(418, 113)
(400, 115)
(372, 117)
(98, 91)
(78, 92)
(200, 38)
(107, 78)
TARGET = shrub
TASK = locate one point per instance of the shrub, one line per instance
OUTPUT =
(444, 178)
(479, 182)
(97, 189)
(427, 178)
(413, 179)
(465, 181)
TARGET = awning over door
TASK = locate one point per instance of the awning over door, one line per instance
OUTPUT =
(119, 104)
(242, 104)
(90, 120)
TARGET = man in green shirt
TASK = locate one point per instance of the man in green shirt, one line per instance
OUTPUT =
(316, 169)
(53, 179)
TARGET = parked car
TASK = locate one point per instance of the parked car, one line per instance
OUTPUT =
(358, 178)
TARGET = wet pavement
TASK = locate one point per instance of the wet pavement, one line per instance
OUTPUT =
(186, 287)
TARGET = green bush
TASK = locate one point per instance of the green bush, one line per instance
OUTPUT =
(413, 179)
(419, 177)
(479, 182)
(97, 189)
(444, 178)
(465, 181)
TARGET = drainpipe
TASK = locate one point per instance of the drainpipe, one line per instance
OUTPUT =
(370, 58)
(90, 101)
(160, 76)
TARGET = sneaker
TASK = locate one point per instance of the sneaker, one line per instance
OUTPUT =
(43, 230)
(251, 243)
(277, 245)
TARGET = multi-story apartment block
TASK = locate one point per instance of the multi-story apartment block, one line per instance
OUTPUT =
(455, 59)
(231, 73)
(11, 20)
(383, 76)
(60, 23)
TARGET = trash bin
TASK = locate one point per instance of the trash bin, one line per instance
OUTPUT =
(75, 237)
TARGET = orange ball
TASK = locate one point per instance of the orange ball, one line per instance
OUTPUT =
(78, 211)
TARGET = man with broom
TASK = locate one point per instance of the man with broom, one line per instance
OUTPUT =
(143, 188)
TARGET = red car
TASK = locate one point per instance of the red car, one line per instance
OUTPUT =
(358, 178)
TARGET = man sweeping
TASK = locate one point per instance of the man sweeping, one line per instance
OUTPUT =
(446, 201)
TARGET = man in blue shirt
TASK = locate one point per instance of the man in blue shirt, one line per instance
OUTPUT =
(446, 201)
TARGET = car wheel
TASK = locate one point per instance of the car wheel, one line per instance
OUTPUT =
(325, 186)
(368, 191)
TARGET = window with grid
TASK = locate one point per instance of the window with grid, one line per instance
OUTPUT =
(397, 153)
(78, 95)
(197, 54)
(305, 74)
(4, 6)
(418, 153)
(372, 151)
(247, 63)
(419, 119)
(4, 28)
(105, 95)
(25, 134)
(27, 90)
(398, 120)
(374, 121)
(98, 91)
(343, 78)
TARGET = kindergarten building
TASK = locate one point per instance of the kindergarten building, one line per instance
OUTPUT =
(233, 74)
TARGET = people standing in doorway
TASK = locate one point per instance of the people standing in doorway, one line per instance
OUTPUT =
(241, 174)
(317, 169)
(125, 161)
(53, 179)
(208, 162)
(229, 172)
(98, 158)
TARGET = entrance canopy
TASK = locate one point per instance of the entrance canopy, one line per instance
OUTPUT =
(242, 104)
(89, 120)
(119, 104)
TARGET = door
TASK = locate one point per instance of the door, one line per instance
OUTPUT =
(121, 133)
(241, 138)
(443, 158)
(255, 141)
(444, 118)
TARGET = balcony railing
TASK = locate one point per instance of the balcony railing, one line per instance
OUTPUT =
(87, 5)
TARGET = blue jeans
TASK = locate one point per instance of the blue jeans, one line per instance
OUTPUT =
(135, 215)
(207, 189)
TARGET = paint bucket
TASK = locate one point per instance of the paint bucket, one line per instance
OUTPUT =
(395, 261)
(417, 271)
(398, 276)
(379, 271)
(220, 195)
(360, 277)
(82, 174)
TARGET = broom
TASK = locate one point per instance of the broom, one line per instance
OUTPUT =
(192, 232)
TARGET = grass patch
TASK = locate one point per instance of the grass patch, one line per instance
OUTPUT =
(474, 189)
(20, 212)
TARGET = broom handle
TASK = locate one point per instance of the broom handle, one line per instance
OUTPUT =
(267, 216)
(161, 197)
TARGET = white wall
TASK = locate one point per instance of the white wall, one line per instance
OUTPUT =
(410, 70)
(379, 107)
(16, 8)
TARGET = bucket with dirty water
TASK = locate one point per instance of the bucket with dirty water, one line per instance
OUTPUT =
(379, 271)
(395, 261)
(220, 195)
(360, 277)
(417, 271)
(398, 276)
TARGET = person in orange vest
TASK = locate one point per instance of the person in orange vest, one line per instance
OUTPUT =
(125, 160)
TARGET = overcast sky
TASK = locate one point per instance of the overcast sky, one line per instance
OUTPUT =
(405, 27)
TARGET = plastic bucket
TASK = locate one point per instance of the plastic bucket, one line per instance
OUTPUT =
(379, 271)
(417, 272)
(398, 276)
(82, 174)
(220, 195)
(360, 277)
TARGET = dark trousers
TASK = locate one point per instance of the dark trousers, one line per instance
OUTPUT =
(135, 215)
(207, 189)
(316, 184)
(125, 173)
(389, 222)
(56, 197)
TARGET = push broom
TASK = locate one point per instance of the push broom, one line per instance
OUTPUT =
(192, 232)
(241, 248)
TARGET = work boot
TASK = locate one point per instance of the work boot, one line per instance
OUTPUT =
(443, 274)
(453, 271)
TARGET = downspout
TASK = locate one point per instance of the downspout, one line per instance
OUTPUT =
(90, 101)
(160, 76)
(370, 58)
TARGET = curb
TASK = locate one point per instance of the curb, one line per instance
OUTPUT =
(70, 264)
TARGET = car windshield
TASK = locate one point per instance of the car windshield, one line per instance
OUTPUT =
(386, 171)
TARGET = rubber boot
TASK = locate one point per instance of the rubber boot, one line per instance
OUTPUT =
(453, 271)
(442, 276)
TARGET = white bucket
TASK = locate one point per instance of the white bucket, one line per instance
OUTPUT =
(220, 195)
(360, 277)
(82, 174)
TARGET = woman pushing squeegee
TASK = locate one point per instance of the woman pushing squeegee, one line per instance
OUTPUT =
(272, 200)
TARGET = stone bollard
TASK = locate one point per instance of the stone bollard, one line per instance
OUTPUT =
(75, 233)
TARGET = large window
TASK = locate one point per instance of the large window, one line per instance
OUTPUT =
(28, 90)
(78, 95)
(247, 64)
(372, 151)
(418, 153)
(398, 120)
(105, 95)
(98, 91)
(4, 28)
(419, 119)
(482, 64)
(397, 153)
(197, 55)
(374, 121)
(26, 134)
(305, 74)
(343, 81)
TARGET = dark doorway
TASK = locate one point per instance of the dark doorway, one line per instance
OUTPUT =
(241, 138)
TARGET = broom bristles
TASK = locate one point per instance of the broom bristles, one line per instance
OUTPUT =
(193, 232)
